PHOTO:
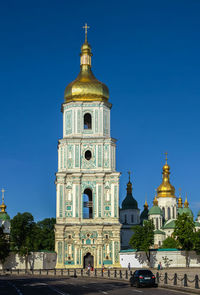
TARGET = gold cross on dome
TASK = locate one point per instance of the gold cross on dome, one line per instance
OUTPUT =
(3, 191)
(166, 154)
(129, 173)
(86, 27)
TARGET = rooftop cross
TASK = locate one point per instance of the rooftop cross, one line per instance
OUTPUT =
(3, 191)
(166, 154)
(129, 173)
(86, 27)
(179, 191)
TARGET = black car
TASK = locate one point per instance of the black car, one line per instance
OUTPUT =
(143, 277)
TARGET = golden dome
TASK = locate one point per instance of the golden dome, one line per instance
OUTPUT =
(146, 206)
(86, 87)
(155, 201)
(186, 204)
(180, 202)
(166, 189)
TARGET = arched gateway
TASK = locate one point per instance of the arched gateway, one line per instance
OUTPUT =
(88, 260)
(87, 227)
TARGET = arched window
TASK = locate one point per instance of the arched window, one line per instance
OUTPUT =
(125, 218)
(156, 223)
(173, 211)
(169, 213)
(163, 210)
(87, 121)
(87, 204)
(132, 218)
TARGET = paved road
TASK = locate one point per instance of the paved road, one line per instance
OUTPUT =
(73, 286)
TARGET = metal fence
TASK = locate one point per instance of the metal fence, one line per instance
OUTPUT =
(118, 274)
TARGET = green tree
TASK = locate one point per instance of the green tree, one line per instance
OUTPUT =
(184, 234)
(4, 246)
(22, 235)
(45, 234)
(197, 242)
(143, 238)
(170, 243)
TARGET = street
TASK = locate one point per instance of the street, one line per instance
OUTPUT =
(73, 286)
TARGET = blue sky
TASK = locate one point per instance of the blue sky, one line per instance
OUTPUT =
(147, 52)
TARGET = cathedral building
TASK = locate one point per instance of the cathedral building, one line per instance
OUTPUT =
(166, 208)
(4, 217)
(164, 212)
(129, 216)
(87, 229)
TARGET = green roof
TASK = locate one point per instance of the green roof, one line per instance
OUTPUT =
(4, 216)
(180, 211)
(159, 232)
(129, 203)
(169, 224)
(188, 211)
(155, 210)
(185, 210)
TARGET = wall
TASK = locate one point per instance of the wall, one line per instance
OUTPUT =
(169, 258)
(37, 260)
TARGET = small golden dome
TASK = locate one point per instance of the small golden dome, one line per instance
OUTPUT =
(86, 87)
(186, 204)
(3, 207)
(166, 189)
(146, 205)
(155, 201)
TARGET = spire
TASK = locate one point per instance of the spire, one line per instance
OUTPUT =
(180, 202)
(186, 204)
(129, 202)
(86, 51)
(86, 27)
(166, 154)
(146, 206)
(155, 201)
(86, 87)
(166, 189)
(129, 184)
(3, 206)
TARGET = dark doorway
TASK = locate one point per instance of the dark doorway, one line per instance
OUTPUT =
(88, 260)
(87, 204)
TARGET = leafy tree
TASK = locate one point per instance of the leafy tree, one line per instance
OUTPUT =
(4, 246)
(184, 233)
(45, 234)
(197, 242)
(143, 238)
(170, 243)
(22, 234)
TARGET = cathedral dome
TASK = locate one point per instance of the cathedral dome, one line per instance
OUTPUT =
(86, 87)
(144, 214)
(129, 202)
(166, 189)
(155, 210)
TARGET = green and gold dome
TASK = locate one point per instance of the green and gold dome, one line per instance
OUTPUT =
(86, 87)
(3, 214)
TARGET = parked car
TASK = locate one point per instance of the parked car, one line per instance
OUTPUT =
(143, 277)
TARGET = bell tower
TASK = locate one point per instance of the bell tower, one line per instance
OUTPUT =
(87, 229)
